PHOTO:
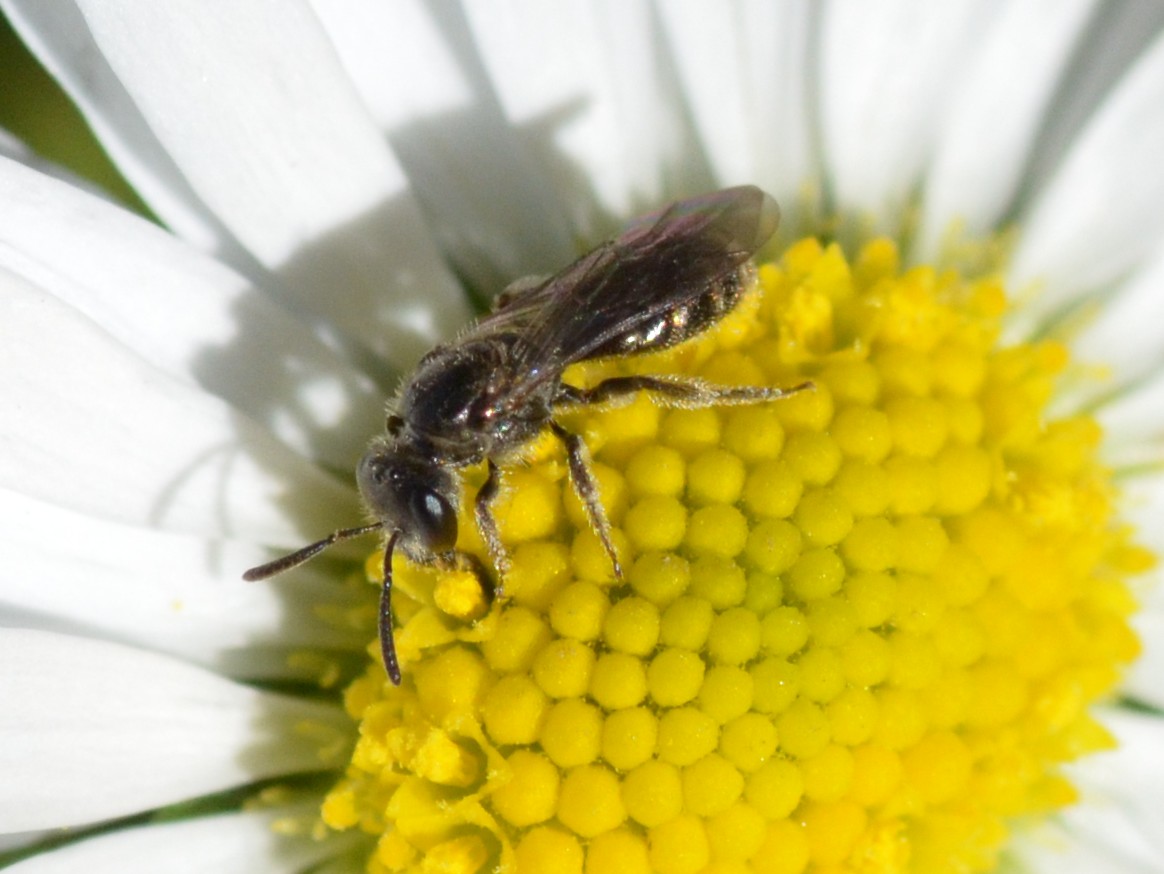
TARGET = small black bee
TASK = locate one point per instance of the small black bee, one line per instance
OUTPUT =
(480, 397)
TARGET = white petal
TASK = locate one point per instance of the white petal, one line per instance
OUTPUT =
(93, 730)
(185, 313)
(1053, 849)
(1122, 803)
(744, 69)
(1100, 216)
(1115, 37)
(995, 114)
(1133, 421)
(170, 593)
(1126, 337)
(12, 148)
(1142, 505)
(87, 425)
(252, 110)
(1145, 680)
(489, 199)
(592, 85)
(887, 71)
(236, 843)
(58, 35)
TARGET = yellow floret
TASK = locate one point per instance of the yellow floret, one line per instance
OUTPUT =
(823, 517)
(773, 489)
(629, 737)
(734, 637)
(679, 846)
(656, 470)
(775, 683)
(803, 729)
(512, 710)
(736, 833)
(784, 631)
(715, 477)
(578, 611)
(686, 734)
(858, 628)
(726, 693)
(656, 522)
(660, 577)
(717, 530)
(674, 677)
(748, 741)
(632, 626)
(775, 789)
(829, 774)
(545, 850)
(711, 785)
(530, 794)
(562, 668)
(521, 635)
(529, 507)
(621, 850)
(719, 581)
(461, 855)
(589, 802)
(572, 733)
(752, 434)
(539, 570)
(619, 680)
(653, 793)
(686, 623)
(817, 573)
(784, 850)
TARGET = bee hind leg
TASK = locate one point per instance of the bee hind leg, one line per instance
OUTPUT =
(678, 391)
(586, 487)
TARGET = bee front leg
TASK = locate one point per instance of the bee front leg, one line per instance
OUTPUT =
(586, 488)
(487, 524)
(678, 391)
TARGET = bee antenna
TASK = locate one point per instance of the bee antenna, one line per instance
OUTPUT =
(273, 568)
(387, 644)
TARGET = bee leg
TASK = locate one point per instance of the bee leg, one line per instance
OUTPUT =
(487, 524)
(586, 488)
(387, 643)
(678, 391)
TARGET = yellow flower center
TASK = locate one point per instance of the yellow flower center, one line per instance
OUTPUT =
(860, 627)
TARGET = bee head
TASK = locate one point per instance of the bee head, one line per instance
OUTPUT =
(410, 493)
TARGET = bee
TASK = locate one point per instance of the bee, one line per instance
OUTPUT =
(481, 397)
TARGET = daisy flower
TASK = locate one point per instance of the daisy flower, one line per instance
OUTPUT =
(902, 622)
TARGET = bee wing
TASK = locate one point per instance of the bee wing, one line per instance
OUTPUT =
(662, 262)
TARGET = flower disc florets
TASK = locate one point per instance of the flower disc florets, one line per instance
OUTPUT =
(860, 628)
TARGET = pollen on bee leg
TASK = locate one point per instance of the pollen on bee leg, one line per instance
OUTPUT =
(461, 595)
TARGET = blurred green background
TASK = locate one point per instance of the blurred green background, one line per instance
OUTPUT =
(36, 111)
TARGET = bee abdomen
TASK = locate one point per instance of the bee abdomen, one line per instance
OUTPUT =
(684, 321)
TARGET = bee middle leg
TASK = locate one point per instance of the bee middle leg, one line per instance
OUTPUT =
(677, 391)
(487, 524)
(586, 487)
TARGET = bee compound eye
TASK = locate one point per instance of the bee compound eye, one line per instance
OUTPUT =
(435, 520)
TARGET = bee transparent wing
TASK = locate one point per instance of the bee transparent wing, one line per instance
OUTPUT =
(608, 301)
(517, 308)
